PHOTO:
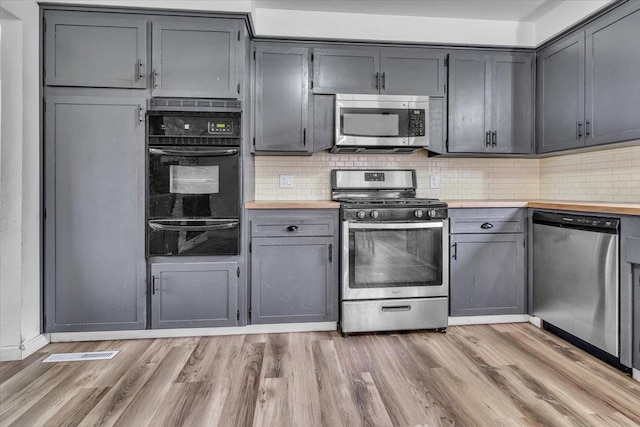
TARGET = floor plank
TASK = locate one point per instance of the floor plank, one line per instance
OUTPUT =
(498, 375)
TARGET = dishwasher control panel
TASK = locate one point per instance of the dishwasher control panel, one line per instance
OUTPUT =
(576, 221)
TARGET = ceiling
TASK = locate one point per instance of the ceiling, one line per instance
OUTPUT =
(496, 10)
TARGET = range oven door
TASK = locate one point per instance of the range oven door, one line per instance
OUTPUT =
(395, 260)
(193, 237)
(193, 182)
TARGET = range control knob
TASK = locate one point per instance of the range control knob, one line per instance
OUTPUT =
(433, 213)
(418, 213)
(361, 214)
(374, 214)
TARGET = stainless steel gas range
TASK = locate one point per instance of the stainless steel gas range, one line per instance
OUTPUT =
(394, 253)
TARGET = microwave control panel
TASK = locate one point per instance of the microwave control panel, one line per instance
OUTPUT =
(416, 123)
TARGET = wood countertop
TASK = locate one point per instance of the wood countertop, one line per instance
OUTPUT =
(292, 204)
(577, 206)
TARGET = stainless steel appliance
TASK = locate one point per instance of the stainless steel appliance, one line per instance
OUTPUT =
(381, 123)
(394, 252)
(193, 194)
(575, 276)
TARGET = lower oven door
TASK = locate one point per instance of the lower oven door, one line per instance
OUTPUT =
(193, 237)
(395, 260)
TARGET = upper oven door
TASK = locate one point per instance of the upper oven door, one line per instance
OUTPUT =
(395, 260)
(376, 121)
(193, 182)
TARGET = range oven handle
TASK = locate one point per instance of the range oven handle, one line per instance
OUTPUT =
(158, 225)
(202, 153)
(395, 225)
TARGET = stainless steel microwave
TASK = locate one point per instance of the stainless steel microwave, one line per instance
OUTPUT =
(381, 123)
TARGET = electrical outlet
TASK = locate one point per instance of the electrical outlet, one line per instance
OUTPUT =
(286, 181)
(434, 181)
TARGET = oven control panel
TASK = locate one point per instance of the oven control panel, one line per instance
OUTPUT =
(409, 214)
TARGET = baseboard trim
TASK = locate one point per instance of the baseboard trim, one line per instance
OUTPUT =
(190, 332)
(10, 353)
(535, 321)
(20, 352)
(35, 344)
(636, 374)
(487, 320)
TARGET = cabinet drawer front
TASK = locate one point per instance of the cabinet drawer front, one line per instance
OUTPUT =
(277, 224)
(482, 221)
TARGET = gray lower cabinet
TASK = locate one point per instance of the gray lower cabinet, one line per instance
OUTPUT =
(588, 84)
(196, 58)
(282, 120)
(95, 273)
(95, 51)
(487, 275)
(194, 294)
(636, 316)
(294, 266)
(490, 103)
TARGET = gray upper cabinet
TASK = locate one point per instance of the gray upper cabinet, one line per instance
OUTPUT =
(194, 294)
(490, 103)
(412, 71)
(393, 71)
(294, 266)
(560, 101)
(588, 84)
(612, 111)
(469, 110)
(83, 50)
(196, 58)
(95, 272)
(282, 99)
(342, 70)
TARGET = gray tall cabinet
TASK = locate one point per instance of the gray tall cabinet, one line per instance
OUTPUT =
(94, 244)
(100, 69)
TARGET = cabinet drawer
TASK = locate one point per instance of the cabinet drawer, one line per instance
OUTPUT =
(286, 223)
(482, 221)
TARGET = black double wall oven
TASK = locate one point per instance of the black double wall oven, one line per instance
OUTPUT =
(193, 183)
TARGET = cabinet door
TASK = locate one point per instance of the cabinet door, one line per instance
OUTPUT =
(346, 70)
(196, 58)
(613, 78)
(511, 104)
(194, 295)
(487, 274)
(282, 99)
(560, 101)
(95, 52)
(412, 72)
(94, 177)
(469, 111)
(294, 279)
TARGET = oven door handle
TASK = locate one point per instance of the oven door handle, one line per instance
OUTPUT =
(202, 153)
(395, 225)
(158, 225)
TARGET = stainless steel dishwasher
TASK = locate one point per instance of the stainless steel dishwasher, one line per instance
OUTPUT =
(575, 276)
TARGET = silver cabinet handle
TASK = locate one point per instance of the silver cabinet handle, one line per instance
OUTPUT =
(154, 78)
(397, 308)
(140, 70)
(153, 285)
(158, 225)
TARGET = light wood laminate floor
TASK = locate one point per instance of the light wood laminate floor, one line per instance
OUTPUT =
(499, 375)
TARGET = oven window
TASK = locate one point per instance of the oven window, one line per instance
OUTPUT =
(197, 185)
(383, 258)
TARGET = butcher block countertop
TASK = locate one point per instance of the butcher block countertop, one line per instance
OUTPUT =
(292, 204)
(577, 206)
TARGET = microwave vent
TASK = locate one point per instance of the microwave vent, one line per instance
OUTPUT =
(189, 104)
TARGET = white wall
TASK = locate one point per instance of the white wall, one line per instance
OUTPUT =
(19, 188)
(564, 15)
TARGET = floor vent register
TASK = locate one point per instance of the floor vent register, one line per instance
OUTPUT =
(79, 357)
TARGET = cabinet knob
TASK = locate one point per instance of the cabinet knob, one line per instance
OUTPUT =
(293, 228)
(486, 225)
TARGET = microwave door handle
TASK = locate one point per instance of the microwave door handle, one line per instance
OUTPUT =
(157, 225)
(185, 153)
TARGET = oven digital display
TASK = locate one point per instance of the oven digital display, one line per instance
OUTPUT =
(374, 176)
